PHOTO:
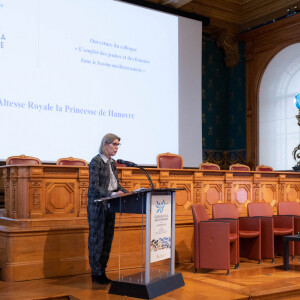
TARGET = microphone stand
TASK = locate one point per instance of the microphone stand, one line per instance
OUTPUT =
(148, 176)
(132, 164)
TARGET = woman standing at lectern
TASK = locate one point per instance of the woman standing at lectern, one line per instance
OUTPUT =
(103, 182)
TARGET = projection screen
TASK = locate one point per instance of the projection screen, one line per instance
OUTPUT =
(72, 71)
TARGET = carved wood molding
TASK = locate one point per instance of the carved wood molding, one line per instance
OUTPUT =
(229, 43)
(50, 197)
(84, 198)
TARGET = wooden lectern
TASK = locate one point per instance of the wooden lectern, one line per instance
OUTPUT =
(158, 206)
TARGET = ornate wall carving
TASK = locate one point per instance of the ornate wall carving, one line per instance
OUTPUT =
(229, 43)
(50, 195)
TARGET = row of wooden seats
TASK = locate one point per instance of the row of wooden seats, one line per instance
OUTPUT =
(164, 161)
(29, 160)
(173, 161)
(234, 167)
(219, 242)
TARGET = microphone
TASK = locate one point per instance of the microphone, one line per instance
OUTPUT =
(127, 163)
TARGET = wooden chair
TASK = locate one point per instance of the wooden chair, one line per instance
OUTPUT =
(71, 161)
(291, 208)
(209, 166)
(249, 229)
(169, 161)
(273, 228)
(239, 167)
(215, 242)
(264, 168)
(23, 160)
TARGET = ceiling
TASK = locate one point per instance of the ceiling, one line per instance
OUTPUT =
(234, 15)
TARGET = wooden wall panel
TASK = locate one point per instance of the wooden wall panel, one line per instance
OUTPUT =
(44, 253)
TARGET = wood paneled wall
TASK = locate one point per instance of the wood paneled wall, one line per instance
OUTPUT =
(44, 230)
(262, 45)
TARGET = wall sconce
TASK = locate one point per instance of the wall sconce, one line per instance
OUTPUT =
(296, 153)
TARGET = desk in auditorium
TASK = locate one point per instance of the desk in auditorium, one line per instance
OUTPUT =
(44, 229)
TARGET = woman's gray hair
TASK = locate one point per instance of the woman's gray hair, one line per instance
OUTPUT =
(107, 139)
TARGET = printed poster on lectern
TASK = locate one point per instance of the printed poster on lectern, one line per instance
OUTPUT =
(160, 227)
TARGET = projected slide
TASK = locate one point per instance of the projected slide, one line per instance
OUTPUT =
(72, 71)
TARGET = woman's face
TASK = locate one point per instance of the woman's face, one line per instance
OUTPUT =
(112, 148)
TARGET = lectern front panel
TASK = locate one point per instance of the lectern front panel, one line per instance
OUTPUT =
(150, 251)
(154, 260)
